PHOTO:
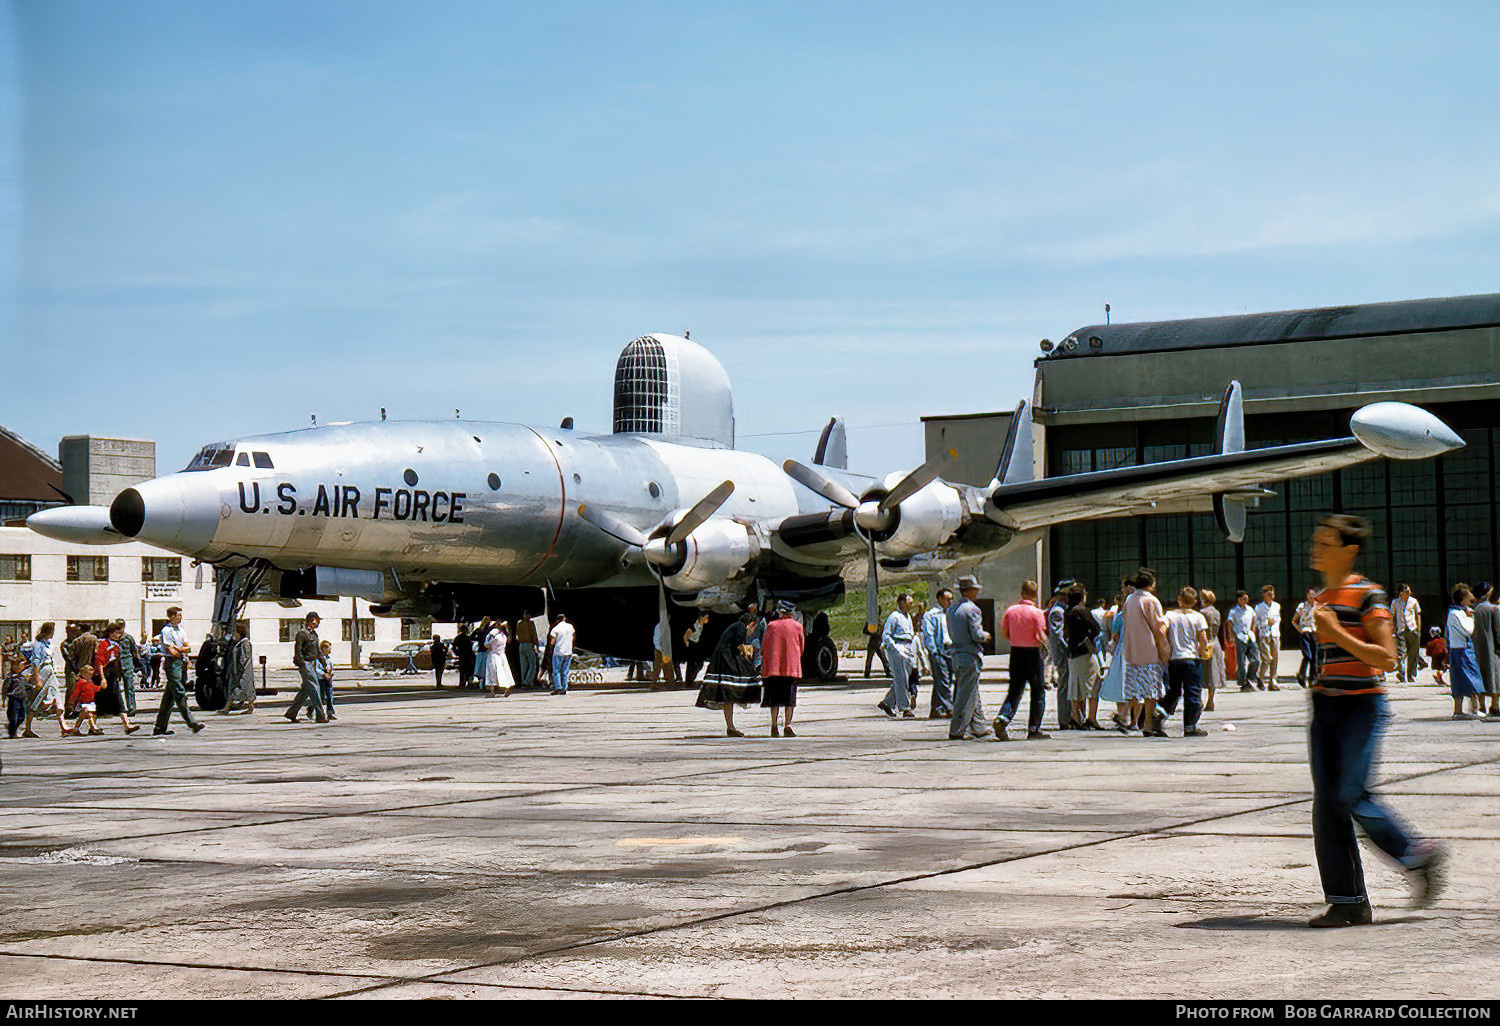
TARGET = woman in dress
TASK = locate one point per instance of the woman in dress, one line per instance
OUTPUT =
(497, 678)
(1112, 687)
(48, 700)
(732, 678)
(1213, 667)
(1463, 681)
(109, 674)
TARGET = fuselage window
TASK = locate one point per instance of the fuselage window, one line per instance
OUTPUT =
(263, 461)
(243, 461)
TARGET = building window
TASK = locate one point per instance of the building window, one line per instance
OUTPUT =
(289, 629)
(161, 568)
(415, 630)
(14, 632)
(15, 568)
(366, 629)
(88, 568)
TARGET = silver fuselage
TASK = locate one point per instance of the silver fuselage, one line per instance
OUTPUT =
(461, 502)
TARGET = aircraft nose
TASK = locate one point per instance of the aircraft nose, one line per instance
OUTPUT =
(165, 512)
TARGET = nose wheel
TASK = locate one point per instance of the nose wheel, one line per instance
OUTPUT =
(233, 587)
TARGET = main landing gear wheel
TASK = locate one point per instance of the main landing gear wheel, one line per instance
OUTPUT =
(822, 663)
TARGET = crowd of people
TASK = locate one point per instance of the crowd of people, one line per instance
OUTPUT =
(100, 675)
(499, 656)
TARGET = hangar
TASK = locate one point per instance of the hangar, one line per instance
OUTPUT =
(1122, 394)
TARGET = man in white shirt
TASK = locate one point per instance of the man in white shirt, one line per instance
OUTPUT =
(1268, 636)
(898, 639)
(1246, 652)
(1406, 618)
(175, 652)
(1187, 639)
(561, 639)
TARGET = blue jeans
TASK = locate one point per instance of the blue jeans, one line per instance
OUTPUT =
(942, 689)
(1246, 661)
(1342, 742)
(528, 664)
(1307, 672)
(1185, 681)
(560, 665)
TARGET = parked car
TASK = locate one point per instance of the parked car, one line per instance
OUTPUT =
(420, 651)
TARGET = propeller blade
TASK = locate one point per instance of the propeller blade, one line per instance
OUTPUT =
(826, 487)
(918, 479)
(872, 596)
(613, 525)
(701, 511)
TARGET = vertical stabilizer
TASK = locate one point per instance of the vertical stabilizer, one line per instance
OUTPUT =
(833, 446)
(1017, 456)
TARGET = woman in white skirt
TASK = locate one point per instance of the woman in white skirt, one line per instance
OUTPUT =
(497, 678)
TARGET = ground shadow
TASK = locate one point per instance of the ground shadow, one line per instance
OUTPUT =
(1260, 923)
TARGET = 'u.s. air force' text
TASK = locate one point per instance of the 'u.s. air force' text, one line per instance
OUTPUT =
(344, 501)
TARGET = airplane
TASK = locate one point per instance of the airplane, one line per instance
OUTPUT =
(655, 521)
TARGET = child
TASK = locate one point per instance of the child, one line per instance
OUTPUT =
(1437, 651)
(15, 696)
(324, 671)
(83, 702)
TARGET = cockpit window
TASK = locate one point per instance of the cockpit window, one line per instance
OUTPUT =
(243, 461)
(219, 454)
(263, 461)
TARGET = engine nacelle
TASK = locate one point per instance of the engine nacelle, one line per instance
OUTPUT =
(925, 521)
(717, 552)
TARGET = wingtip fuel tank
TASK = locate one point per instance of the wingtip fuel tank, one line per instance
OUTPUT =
(1401, 431)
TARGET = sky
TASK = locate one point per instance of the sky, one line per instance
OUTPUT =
(219, 218)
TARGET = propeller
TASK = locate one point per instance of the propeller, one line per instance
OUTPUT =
(874, 515)
(824, 486)
(663, 545)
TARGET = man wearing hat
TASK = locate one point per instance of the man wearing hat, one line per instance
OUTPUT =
(967, 634)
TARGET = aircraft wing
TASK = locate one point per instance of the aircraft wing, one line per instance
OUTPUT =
(1129, 491)
(1231, 477)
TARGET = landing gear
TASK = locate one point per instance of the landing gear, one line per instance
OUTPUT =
(820, 660)
(233, 587)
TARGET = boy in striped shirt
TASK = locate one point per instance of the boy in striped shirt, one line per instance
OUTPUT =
(1352, 617)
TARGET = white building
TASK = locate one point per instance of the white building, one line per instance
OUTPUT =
(42, 580)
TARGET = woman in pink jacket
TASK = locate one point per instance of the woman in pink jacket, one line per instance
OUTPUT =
(781, 668)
